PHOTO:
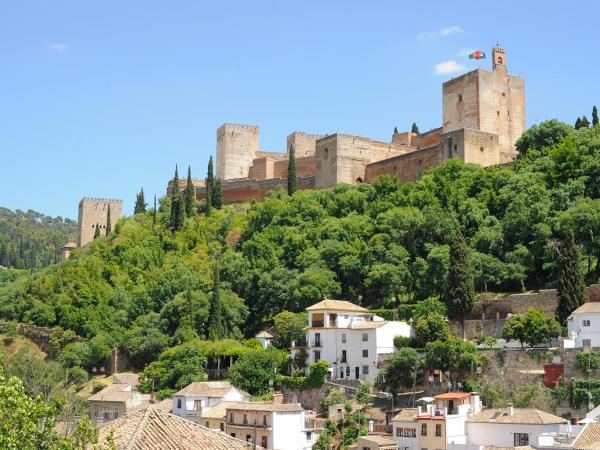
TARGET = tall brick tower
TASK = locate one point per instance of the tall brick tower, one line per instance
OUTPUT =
(94, 211)
(487, 101)
(237, 146)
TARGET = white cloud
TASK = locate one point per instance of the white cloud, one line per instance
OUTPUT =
(443, 32)
(56, 47)
(447, 67)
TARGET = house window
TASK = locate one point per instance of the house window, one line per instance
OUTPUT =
(438, 429)
(398, 431)
(265, 420)
(232, 434)
(245, 419)
(460, 97)
(248, 438)
(317, 355)
(222, 426)
(206, 424)
(365, 337)
(365, 353)
(521, 439)
(326, 154)
(197, 405)
(317, 339)
(344, 338)
(308, 436)
(481, 149)
(497, 113)
(347, 371)
(586, 322)
(423, 429)
(504, 94)
(344, 357)
(230, 417)
(263, 441)
(586, 342)
(365, 370)
(178, 403)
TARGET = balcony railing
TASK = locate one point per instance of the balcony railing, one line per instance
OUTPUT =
(382, 428)
(318, 323)
(248, 424)
(316, 343)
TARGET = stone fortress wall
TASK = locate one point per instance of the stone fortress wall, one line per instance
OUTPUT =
(483, 116)
(94, 211)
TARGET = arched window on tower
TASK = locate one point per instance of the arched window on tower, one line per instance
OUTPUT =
(499, 59)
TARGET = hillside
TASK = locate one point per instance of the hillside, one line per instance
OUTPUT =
(382, 245)
(31, 240)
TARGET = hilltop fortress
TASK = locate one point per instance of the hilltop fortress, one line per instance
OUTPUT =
(483, 116)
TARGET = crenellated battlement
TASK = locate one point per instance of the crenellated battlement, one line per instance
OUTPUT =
(99, 199)
(242, 126)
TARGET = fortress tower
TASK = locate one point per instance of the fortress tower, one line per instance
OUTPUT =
(94, 211)
(489, 102)
(237, 146)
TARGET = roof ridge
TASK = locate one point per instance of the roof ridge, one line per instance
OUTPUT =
(139, 428)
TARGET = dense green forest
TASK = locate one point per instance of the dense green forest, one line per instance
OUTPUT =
(382, 245)
(31, 240)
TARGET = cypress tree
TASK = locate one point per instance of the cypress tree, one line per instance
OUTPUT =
(578, 123)
(415, 128)
(108, 221)
(97, 231)
(292, 181)
(395, 130)
(570, 289)
(140, 203)
(216, 325)
(595, 121)
(210, 186)
(175, 185)
(217, 195)
(190, 194)
(154, 213)
(460, 287)
(585, 123)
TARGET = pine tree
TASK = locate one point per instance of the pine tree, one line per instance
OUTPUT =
(292, 180)
(190, 194)
(108, 221)
(595, 121)
(216, 326)
(571, 286)
(208, 199)
(415, 128)
(395, 130)
(217, 194)
(460, 288)
(578, 123)
(97, 231)
(140, 203)
(154, 213)
(585, 123)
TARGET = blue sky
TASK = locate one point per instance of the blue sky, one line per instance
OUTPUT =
(99, 98)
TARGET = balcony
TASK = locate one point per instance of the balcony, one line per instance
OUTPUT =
(260, 426)
(318, 323)
(316, 343)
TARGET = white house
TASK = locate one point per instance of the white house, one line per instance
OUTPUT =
(584, 326)
(265, 338)
(198, 397)
(512, 427)
(271, 425)
(404, 429)
(350, 338)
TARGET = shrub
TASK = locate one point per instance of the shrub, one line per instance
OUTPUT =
(587, 362)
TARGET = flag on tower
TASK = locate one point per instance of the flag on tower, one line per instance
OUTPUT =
(477, 54)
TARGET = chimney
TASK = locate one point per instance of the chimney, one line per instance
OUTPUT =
(277, 398)
(509, 410)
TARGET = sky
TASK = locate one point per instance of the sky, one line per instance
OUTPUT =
(100, 98)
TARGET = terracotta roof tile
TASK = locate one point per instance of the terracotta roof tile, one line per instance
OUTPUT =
(114, 393)
(267, 406)
(589, 437)
(526, 416)
(208, 389)
(589, 307)
(453, 396)
(153, 429)
(368, 325)
(337, 305)
(406, 415)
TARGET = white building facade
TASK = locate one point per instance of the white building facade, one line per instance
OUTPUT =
(584, 326)
(350, 338)
(198, 397)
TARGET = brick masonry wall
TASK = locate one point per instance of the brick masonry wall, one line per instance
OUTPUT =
(408, 167)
